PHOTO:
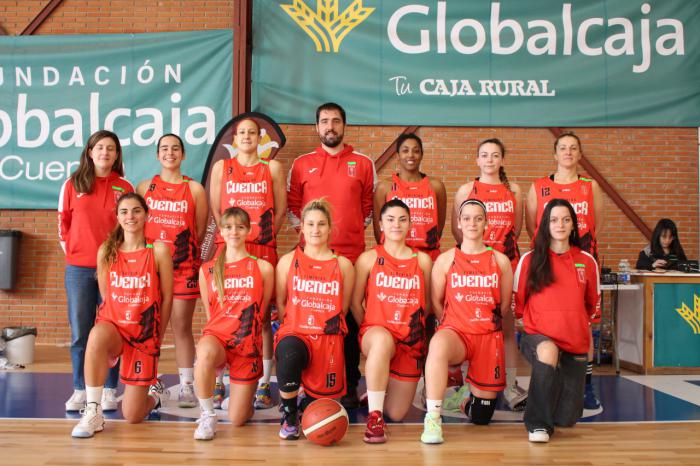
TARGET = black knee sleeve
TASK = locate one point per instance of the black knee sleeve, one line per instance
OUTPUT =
(480, 410)
(292, 357)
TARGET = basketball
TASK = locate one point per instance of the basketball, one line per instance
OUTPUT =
(325, 422)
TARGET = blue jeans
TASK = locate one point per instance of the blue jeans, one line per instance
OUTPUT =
(83, 295)
(555, 396)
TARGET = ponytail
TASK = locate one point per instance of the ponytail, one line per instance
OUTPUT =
(504, 179)
(112, 245)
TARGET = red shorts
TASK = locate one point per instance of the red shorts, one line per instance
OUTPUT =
(137, 367)
(324, 376)
(486, 357)
(242, 370)
(186, 283)
(404, 365)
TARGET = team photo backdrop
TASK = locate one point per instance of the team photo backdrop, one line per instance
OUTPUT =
(57, 90)
(480, 63)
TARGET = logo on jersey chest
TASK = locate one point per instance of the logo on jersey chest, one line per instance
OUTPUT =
(246, 188)
(473, 281)
(418, 202)
(167, 206)
(499, 207)
(238, 282)
(316, 286)
(399, 283)
(129, 282)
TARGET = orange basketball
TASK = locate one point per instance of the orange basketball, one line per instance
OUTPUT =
(325, 422)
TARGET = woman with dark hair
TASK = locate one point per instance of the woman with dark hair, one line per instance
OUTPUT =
(86, 216)
(665, 248)
(424, 195)
(504, 201)
(391, 301)
(556, 292)
(136, 280)
(177, 216)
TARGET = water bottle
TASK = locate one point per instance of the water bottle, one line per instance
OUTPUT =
(624, 272)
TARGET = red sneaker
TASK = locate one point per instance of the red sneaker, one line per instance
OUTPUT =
(375, 431)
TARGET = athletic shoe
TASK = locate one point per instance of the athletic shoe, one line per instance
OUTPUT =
(109, 399)
(219, 394)
(516, 397)
(91, 421)
(289, 431)
(157, 391)
(432, 429)
(538, 436)
(77, 401)
(590, 400)
(206, 426)
(224, 404)
(263, 397)
(186, 397)
(350, 399)
(376, 428)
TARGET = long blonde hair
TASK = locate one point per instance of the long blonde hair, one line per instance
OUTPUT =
(220, 263)
(116, 236)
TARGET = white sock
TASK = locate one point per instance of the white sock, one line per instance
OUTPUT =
(511, 373)
(186, 375)
(375, 400)
(207, 404)
(94, 394)
(434, 406)
(267, 371)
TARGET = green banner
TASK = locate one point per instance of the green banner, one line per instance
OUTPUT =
(57, 90)
(480, 63)
(676, 325)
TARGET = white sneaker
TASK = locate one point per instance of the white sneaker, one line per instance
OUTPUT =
(186, 397)
(206, 426)
(77, 400)
(224, 404)
(91, 421)
(538, 436)
(109, 399)
(158, 391)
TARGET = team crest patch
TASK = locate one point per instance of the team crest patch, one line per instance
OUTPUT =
(581, 271)
(352, 169)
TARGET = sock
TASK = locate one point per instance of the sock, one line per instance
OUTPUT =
(186, 375)
(589, 372)
(511, 373)
(267, 371)
(94, 394)
(290, 408)
(434, 406)
(207, 404)
(375, 400)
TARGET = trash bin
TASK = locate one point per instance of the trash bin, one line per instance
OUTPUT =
(20, 344)
(9, 255)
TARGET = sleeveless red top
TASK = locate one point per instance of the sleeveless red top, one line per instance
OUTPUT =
(580, 195)
(395, 297)
(500, 208)
(172, 220)
(250, 188)
(238, 322)
(473, 293)
(132, 301)
(314, 297)
(422, 203)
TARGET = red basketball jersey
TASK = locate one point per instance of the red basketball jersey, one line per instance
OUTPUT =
(250, 188)
(580, 195)
(422, 203)
(172, 220)
(314, 297)
(395, 297)
(500, 208)
(238, 322)
(132, 301)
(473, 293)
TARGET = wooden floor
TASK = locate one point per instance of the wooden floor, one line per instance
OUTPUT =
(48, 442)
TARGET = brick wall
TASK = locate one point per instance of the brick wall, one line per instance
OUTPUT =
(654, 169)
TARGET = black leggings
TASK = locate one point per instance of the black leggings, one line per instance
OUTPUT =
(292, 357)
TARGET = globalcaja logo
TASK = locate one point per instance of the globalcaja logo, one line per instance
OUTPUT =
(691, 316)
(326, 26)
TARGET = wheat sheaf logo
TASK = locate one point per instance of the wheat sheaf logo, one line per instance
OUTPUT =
(691, 316)
(326, 27)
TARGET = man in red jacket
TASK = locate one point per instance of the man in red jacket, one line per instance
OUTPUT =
(346, 179)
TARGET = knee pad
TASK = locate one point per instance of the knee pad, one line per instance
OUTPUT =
(480, 410)
(292, 357)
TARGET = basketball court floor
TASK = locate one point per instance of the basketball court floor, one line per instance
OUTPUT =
(644, 419)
